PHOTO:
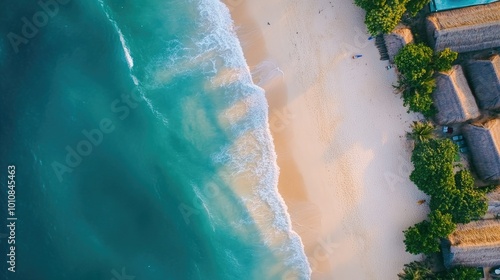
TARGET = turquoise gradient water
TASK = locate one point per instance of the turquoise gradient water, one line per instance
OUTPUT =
(441, 5)
(115, 114)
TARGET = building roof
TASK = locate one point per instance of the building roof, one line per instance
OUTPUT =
(484, 78)
(467, 29)
(484, 144)
(453, 98)
(474, 244)
(396, 40)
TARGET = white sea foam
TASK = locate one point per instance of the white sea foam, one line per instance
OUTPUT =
(219, 54)
(130, 63)
(126, 50)
(253, 153)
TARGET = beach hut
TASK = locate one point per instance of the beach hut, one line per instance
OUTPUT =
(467, 29)
(484, 145)
(395, 41)
(476, 244)
(484, 79)
(453, 98)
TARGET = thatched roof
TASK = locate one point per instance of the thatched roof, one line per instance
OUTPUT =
(396, 40)
(467, 29)
(484, 78)
(484, 144)
(453, 98)
(474, 244)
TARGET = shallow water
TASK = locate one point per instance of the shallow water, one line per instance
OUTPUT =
(132, 126)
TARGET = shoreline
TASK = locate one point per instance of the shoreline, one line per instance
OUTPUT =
(343, 156)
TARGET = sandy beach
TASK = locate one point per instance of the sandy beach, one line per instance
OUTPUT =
(339, 132)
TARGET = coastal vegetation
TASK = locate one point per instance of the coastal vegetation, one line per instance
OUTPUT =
(453, 196)
(382, 16)
(454, 199)
(419, 270)
(424, 237)
(416, 64)
(421, 131)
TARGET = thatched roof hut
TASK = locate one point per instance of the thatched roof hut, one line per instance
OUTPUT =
(396, 40)
(453, 98)
(474, 244)
(484, 78)
(484, 144)
(467, 29)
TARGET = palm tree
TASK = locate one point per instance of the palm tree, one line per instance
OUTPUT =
(416, 271)
(421, 131)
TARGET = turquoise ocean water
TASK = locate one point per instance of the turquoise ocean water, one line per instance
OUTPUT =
(140, 144)
(442, 5)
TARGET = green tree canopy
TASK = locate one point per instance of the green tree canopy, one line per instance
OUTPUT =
(421, 131)
(444, 59)
(419, 101)
(423, 238)
(433, 162)
(464, 180)
(419, 270)
(450, 193)
(464, 202)
(468, 205)
(414, 6)
(384, 19)
(370, 4)
(459, 273)
(416, 271)
(418, 239)
(414, 62)
(441, 225)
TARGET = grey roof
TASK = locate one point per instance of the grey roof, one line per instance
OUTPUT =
(494, 203)
(467, 29)
(453, 98)
(396, 40)
(484, 144)
(474, 244)
(484, 78)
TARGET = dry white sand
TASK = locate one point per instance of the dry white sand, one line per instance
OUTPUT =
(339, 132)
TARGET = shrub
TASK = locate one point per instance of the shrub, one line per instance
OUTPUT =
(414, 63)
(416, 271)
(444, 59)
(384, 19)
(433, 162)
(459, 273)
(424, 237)
(414, 6)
